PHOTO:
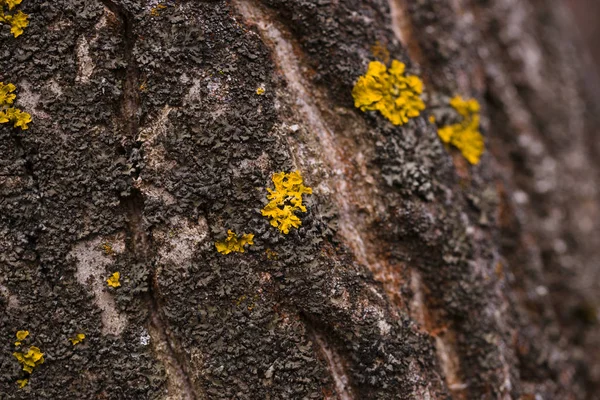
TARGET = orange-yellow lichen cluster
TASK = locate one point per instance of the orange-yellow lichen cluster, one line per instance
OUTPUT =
(21, 335)
(30, 359)
(465, 135)
(155, 11)
(17, 21)
(77, 339)
(8, 113)
(113, 280)
(33, 358)
(395, 95)
(233, 243)
(285, 200)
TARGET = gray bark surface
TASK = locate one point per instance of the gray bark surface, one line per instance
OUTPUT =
(413, 276)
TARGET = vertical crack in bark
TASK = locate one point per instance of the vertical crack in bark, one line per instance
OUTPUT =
(165, 344)
(130, 104)
(32, 239)
(444, 338)
(404, 30)
(335, 363)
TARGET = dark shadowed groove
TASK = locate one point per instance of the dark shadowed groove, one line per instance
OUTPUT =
(336, 362)
(130, 101)
(32, 240)
(139, 242)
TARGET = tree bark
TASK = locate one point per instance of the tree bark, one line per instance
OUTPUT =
(414, 275)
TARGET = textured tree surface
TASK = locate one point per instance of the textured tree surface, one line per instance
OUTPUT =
(414, 275)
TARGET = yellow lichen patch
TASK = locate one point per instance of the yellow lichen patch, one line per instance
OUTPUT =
(113, 280)
(22, 383)
(8, 113)
(260, 90)
(33, 358)
(285, 200)
(465, 135)
(394, 94)
(77, 339)
(21, 335)
(233, 243)
(108, 250)
(17, 21)
(155, 11)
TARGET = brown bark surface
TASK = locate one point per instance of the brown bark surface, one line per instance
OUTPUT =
(414, 275)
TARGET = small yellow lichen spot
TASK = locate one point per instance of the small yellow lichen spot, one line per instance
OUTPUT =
(21, 335)
(155, 11)
(395, 95)
(8, 113)
(31, 359)
(432, 119)
(465, 135)
(260, 91)
(77, 339)
(113, 281)
(22, 383)
(6, 93)
(108, 250)
(285, 200)
(233, 243)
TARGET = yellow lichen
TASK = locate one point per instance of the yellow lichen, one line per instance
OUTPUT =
(285, 200)
(395, 95)
(22, 383)
(155, 11)
(465, 135)
(17, 21)
(77, 339)
(260, 90)
(21, 335)
(108, 249)
(33, 358)
(8, 113)
(113, 280)
(233, 243)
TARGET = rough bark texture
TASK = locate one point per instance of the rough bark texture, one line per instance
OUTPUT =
(413, 275)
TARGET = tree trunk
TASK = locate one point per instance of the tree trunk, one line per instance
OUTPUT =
(413, 274)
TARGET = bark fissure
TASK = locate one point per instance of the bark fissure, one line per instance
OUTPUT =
(130, 100)
(32, 239)
(335, 359)
(164, 343)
